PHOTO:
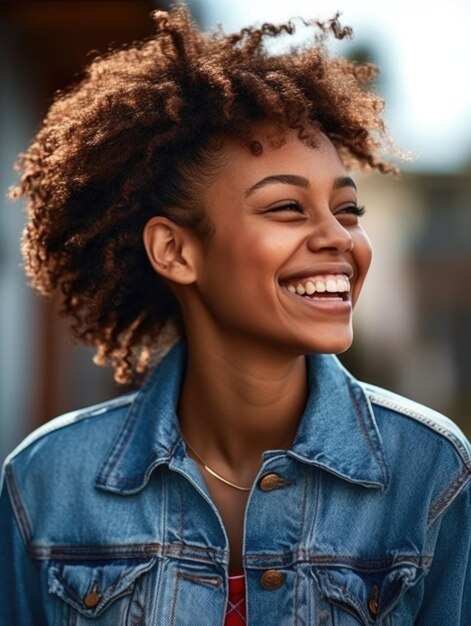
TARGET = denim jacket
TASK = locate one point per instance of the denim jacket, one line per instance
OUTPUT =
(105, 519)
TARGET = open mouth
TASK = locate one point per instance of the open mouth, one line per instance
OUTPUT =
(329, 287)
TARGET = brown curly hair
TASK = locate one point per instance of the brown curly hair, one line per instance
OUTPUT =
(134, 139)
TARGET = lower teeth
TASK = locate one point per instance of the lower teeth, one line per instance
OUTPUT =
(326, 297)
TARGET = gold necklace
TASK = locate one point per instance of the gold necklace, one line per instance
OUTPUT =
(212, 472)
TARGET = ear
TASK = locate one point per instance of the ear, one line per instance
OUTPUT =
(171, 250)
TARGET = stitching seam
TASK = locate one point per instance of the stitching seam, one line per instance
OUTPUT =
(20, 512)
(427, 421)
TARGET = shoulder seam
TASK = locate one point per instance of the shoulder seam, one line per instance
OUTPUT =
(423, 419)
(17, 505)
(445, 499)
(69, 418)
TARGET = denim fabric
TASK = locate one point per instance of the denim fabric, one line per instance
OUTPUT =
(105, 519)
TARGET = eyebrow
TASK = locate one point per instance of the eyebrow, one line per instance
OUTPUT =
(285, 179)
(344, 181)
(298, 181)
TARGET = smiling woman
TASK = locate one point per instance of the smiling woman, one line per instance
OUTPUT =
(296, 215)
(195, 189)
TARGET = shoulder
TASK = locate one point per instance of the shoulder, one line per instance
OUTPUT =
(51, 475)
(427, 452)
(77, 435)
(419, 420)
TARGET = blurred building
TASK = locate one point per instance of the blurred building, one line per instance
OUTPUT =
(44, 46)
(413, 319)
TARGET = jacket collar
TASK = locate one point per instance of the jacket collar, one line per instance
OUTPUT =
(337, 431)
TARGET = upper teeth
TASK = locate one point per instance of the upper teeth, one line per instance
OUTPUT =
(332, 284)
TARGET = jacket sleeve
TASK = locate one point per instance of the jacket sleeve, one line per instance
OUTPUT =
(20, 601)
(447, 597)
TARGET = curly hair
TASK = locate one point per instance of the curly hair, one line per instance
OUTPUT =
(133, 139)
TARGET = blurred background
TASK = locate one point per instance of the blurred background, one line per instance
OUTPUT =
(413, 330)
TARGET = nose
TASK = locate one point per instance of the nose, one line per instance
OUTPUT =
(330, 235)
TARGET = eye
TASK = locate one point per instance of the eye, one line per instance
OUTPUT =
(348, 214)
(292, 206)
(351, 209)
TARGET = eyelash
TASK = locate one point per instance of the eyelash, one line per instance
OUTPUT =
(297, 207)
(290, 206)
(354, 209)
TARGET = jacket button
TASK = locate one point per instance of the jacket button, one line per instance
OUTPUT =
(92, 599)
(272, 481)
(272, 579)
(373, 601)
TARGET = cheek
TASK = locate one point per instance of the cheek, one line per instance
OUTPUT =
(266, 252)
(251, 252)
(362, 255)
(365, 252)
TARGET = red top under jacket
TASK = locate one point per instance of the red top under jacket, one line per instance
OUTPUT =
(235, 615)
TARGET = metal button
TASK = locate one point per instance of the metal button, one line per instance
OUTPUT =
(272, 579)
(373, 602)
(272, 481)
(92, 598)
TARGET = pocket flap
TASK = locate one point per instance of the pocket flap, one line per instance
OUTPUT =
(91, 588)
(369, 595)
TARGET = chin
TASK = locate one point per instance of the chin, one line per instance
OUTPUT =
(330, 345)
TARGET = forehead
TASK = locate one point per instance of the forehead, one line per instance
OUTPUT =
(242, 168)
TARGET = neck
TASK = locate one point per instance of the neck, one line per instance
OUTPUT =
(237, 403)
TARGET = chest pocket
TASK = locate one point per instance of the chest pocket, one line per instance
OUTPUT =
(368, 598)
(101, 594)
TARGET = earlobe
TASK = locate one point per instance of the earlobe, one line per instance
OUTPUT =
(170, 250)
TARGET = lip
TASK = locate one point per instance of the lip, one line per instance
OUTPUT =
(319, 269)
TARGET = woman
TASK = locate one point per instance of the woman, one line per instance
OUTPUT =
(196, 185)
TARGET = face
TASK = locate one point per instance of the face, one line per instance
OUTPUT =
(288, 256)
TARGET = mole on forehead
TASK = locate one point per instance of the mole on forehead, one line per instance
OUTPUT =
(298, 181)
